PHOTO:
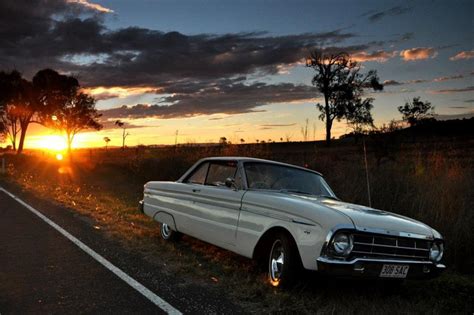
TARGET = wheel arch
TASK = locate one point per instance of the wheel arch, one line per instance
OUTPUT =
(165, 217)
(262, 249)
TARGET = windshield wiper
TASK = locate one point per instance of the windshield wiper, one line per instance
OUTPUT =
(296, 191)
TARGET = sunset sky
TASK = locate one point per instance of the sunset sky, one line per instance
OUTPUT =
(236, 68)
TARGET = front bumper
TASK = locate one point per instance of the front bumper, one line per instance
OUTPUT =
(371, 268)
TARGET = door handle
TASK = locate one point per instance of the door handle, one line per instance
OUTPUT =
(196, 190)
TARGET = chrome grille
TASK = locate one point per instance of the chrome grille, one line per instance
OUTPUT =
(380, 246)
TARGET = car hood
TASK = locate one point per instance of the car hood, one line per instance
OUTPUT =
(374, 220)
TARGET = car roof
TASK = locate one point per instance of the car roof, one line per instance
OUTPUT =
(250, 159)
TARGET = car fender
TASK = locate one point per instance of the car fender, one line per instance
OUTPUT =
(165, 217)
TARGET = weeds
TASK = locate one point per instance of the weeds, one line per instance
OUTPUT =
(431, 182)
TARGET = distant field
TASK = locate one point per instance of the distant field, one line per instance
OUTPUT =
(430, 180)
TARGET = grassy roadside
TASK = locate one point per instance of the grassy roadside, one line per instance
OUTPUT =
(108, 195)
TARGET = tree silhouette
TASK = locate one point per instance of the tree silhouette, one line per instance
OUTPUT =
(18, 105)
(107, 140)
(125, 134)
(415, 111)
(63, 106)
(339, 80)
(9, 125)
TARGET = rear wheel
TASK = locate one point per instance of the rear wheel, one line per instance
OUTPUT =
(283, 262)
(167, 233)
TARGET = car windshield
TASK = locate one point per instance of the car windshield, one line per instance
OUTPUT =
(282, 178)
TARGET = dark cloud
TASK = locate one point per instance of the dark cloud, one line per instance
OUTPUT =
(56, 34)
(224, 98)
(110, 124)
(469, 101)
(374, 16)
(455, 116)
(454, 90)
(448, 78)
(392, 82)
(407, 36)
(415, 81)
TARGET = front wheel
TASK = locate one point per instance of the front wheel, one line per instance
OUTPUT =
(283, 262)
(167, 233)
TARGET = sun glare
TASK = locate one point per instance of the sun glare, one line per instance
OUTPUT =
(52, 143)
(59, 157)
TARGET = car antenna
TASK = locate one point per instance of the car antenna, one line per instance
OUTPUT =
(367, 172)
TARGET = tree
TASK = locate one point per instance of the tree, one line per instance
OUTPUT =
(17, 107)
(358, 115)
(10, 125)
(78, 113)
(107, 140)
(342, 85)
(223, 140)
(63, 106)
(125, 134)
(416, 110)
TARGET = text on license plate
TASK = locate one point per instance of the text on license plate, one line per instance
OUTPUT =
(394, 271)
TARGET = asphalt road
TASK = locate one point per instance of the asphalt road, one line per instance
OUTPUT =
(41, 271)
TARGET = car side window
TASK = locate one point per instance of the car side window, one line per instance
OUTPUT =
(219, 172)
(199, 174)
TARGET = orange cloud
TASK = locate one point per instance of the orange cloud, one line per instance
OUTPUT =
(378, 56)
(93, 6)
(103, 93)
(463, 55)
(419, 53)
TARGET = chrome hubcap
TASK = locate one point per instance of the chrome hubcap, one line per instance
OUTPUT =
(165, 230)
(277, 258)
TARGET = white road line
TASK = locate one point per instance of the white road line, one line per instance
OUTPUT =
(155, 299)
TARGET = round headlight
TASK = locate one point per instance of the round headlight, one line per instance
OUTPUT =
(436, 252)
(342, 244)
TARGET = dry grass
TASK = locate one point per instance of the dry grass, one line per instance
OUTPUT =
(431, 182)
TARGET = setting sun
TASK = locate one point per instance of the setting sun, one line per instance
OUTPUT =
(51, 142)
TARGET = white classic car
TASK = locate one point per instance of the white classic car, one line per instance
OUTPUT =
(289, 217)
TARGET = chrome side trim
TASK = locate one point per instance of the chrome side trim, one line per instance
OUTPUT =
(303, 223)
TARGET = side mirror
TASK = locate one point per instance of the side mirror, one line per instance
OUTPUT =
(230, 182)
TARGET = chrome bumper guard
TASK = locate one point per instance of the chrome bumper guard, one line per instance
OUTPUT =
(371, 268)
(141, 206)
